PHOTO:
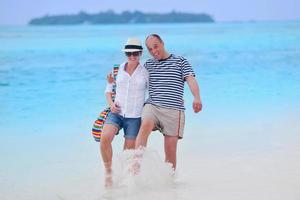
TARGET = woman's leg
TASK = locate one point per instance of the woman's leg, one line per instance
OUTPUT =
(131, 129)
(107, 137)
(129, 144)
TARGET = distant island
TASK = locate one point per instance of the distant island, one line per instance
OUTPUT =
(126, 17)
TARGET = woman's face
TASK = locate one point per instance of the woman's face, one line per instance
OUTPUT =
(133, 56)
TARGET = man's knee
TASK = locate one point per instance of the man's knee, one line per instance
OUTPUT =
(147, 124)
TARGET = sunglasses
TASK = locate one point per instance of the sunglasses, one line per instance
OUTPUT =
(136, 53)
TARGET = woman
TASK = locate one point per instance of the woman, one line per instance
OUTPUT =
(126, 110)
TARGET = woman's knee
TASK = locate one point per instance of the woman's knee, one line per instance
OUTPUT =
(108, 133)
(105, 138)
(129, 143)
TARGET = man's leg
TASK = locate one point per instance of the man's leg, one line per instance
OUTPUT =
(141, 141)
(144, 132)
(171, 149)
(107, 137)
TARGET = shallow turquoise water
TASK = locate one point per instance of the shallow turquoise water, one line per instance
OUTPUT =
(53, 74)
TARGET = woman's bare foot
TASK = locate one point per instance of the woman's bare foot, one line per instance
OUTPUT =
(108, 181)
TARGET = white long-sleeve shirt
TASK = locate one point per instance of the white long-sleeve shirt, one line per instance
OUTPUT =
(130, 91)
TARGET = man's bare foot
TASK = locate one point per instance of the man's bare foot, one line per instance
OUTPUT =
(134, 168)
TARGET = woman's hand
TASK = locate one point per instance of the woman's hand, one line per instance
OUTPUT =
(115, 108)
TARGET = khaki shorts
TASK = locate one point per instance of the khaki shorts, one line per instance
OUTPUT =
(168, 121)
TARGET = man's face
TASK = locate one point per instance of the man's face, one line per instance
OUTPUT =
(155, 48)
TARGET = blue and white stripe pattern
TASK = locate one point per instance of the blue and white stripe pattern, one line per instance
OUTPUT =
(166, 81)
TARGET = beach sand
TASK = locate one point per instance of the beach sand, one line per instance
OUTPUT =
(245, 165)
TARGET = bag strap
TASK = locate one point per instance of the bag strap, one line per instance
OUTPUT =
(115, 73)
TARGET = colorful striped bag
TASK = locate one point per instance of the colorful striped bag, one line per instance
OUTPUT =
(98, 124)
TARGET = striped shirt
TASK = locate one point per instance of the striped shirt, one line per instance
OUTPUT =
(166, 81)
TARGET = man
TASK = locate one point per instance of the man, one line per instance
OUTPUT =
(164, 110)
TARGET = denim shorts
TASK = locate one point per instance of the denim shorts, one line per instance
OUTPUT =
(131, 126)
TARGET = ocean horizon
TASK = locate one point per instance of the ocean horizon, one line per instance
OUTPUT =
(244, 144)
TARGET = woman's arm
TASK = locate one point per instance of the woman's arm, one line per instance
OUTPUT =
(113, 106)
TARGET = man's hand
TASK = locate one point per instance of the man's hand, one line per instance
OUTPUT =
(110, 78)
(197, 105)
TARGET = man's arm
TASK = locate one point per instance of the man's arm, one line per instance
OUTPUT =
(193, 85)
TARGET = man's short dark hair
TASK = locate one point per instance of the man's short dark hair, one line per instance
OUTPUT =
(154, 35)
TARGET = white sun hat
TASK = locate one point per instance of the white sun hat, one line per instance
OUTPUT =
(132, 45)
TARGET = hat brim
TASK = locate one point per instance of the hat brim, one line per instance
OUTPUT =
(131, 50)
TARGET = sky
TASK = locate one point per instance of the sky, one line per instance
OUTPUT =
(19, 12)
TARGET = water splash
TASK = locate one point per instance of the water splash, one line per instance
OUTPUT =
(154, 176)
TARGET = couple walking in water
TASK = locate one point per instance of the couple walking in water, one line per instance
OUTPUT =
(163, 76)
